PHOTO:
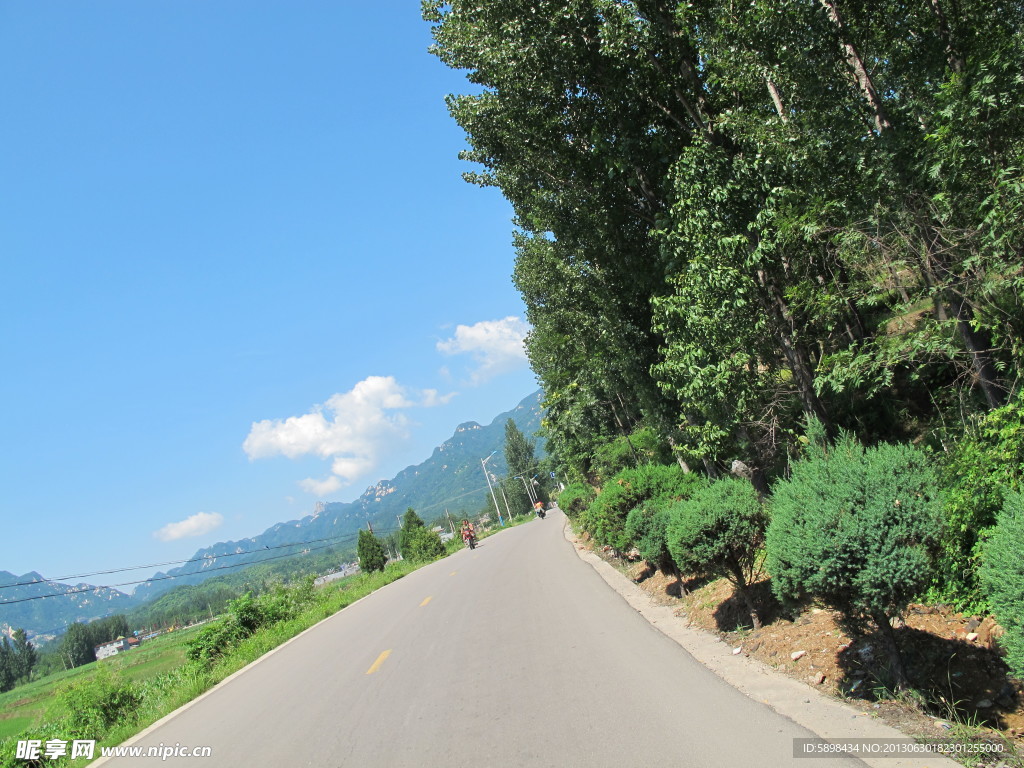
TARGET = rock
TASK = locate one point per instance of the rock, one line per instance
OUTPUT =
(795, 655)
(817, 679)
(737, 650)
(983, 704)
(973, 624)
(971, 637)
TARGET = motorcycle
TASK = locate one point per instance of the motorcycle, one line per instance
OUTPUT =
(540, 511)
(470, 540)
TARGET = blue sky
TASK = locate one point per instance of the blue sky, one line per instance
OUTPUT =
(240, 270)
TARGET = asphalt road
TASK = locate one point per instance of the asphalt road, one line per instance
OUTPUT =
(515, 654)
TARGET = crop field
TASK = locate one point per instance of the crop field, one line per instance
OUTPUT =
(27, 705)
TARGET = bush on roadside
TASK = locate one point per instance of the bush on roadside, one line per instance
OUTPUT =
(575, 499)
(976, 471)
(853, 527)
(646, 527)
(423, 546)
(1002, 576)
(605, 518)
(720, 531)
(247, 614)
(90, 707)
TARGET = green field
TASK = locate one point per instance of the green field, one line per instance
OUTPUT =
(26, 705)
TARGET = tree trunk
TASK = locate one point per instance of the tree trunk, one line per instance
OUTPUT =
(740, 581)
(888, 636)
(979, 348)
(857, 68)
(777, 310)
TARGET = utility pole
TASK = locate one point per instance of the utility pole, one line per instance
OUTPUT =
(506, 503)
(487, 477)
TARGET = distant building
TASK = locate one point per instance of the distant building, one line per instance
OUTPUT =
(109, 649)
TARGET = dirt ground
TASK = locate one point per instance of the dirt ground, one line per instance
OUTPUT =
(958, 678)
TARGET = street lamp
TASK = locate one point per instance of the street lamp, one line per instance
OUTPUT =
(529, 490)
(487, 477)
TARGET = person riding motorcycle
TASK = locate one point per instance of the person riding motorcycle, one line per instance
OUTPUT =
(468, 534)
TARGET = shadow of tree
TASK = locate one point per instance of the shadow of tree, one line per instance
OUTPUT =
(953, 678)
(733, 613)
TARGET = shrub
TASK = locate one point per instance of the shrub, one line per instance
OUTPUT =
(1002, 576)
(423, 545)
(605, 519)
(92, 706)
(976, 472)
(720, 530)
(852, 527)
(575, 499)
(646, 527)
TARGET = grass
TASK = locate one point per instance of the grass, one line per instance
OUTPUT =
(27, 705)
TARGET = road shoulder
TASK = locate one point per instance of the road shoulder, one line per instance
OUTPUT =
(820, 714)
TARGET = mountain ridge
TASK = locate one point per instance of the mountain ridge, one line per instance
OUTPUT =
(449, 478)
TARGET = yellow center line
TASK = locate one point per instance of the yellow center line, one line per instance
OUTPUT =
(453, 573)
(380, 660)
(425, 600)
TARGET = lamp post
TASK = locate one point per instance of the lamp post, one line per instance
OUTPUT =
(487, 477)
(529, 490)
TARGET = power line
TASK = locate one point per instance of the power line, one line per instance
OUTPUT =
(176, 576)
(191, 560)
(170, 562)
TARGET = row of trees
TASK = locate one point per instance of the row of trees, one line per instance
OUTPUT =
(78, 646)
(736, 220)
(733, 217)
(18, 658)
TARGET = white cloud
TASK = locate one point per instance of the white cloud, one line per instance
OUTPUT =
(353, 428)
(196, 525)
(495, 345)
(320, 487)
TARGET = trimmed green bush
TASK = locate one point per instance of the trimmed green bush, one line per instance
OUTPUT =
(646, 527)
(605, 519)
(853, 527)
(720, 530)
(1002, 577)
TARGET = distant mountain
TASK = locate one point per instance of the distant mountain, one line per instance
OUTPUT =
(450, 479)
(50, 616)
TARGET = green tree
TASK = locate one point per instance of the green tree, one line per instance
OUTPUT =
(25, 656)
(720, 530)
(521, 460)
(77, 645)
(412, 524)
(370, 552)
(853, 527)
(8, 665)
(1002, 576)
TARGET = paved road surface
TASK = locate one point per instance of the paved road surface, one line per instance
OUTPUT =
(515, 654)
